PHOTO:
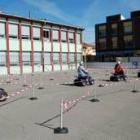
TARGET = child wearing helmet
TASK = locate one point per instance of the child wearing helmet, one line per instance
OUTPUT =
(82, 72)
(118, 68)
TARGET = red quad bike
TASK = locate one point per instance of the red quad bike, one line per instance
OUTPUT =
(83, 81)
(3, 95)
(118, 77)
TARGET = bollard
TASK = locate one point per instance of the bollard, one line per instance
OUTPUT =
(101, 85)
(16, 74)
(33, 94)
(61, 129)
(135, 91)
(25, 81)
(8, 80)
(41, 84)
(95, 95)
(127, 72)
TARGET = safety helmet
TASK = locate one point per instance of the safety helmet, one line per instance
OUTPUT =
(81, 63)
(118, 62)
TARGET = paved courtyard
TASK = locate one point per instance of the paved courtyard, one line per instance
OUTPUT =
(115, 117)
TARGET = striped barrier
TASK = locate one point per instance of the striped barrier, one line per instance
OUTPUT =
(13, 94)
(65, 83)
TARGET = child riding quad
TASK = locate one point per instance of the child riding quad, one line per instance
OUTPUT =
(83, 77)
(119, 73)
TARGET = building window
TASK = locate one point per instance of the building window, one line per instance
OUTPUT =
(128, 42)
(79, 57)
(78, 38)
(13, 31)
(25, 32)
(36, 33)
(72, 58)
(63, 36)
(2, 29)
(2, 58)
(37, 58)
(46, 35)
(71, 38)
(114, 42)
(114, 29)
(56, 58)
(47, 58)
(102, 31)
(26, 58)
(64, 58)
(14, 58)
(127, 27)
(55, 36)
(102, 44)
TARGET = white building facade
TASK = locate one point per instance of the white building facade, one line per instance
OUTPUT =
(29, 45)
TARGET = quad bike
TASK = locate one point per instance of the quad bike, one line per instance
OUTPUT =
(118, 77)
(3, 95)
(83, 81)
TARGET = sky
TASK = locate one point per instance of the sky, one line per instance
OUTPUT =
(84, 13)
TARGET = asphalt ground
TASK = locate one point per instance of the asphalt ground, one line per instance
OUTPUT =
(116, 116)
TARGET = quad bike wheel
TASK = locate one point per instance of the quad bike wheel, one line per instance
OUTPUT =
(91, 82)
(76, 81)
(83, 83)
(113, 78)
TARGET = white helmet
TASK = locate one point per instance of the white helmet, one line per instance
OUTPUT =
(81, 63)
(118, 62)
